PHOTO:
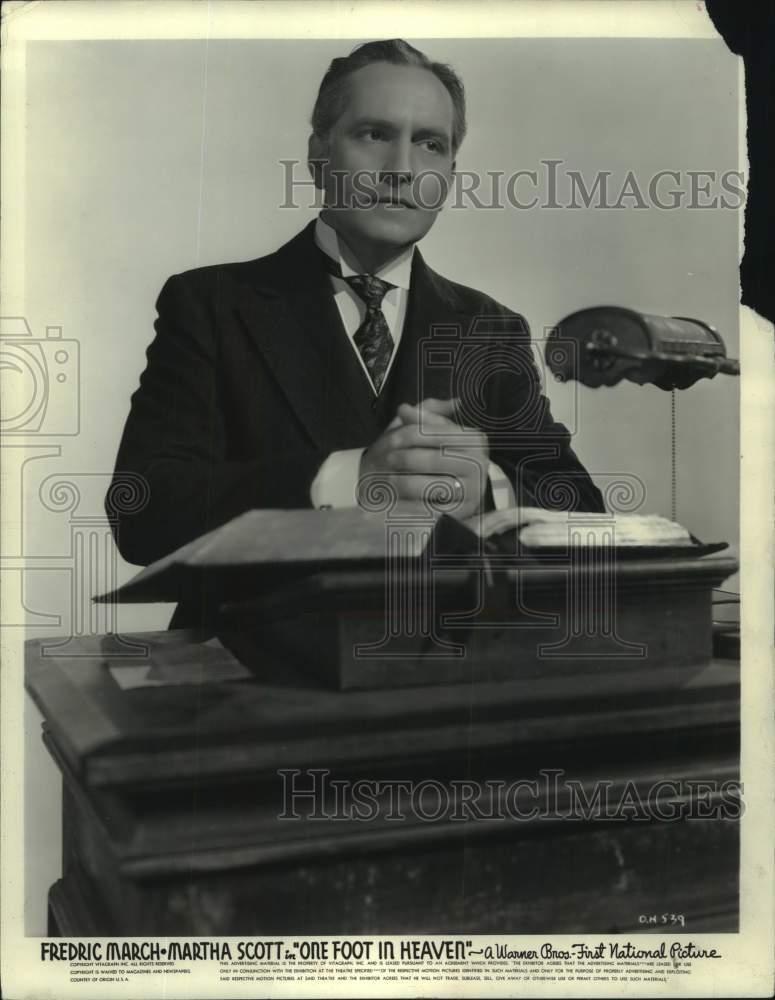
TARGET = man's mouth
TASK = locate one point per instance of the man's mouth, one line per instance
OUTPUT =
(394, 203)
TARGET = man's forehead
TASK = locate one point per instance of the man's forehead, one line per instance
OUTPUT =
(386, 91)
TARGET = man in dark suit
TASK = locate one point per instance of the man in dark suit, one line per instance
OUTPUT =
(342, 359)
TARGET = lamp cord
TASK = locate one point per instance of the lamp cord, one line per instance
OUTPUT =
(673, 458)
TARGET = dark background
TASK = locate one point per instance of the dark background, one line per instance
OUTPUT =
(749, 31)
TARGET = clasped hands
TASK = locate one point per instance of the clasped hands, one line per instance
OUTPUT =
(429, 460)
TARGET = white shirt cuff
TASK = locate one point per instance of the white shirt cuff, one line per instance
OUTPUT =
(336, 484)
(502, 490)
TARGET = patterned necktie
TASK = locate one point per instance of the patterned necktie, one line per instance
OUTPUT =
(372, 338)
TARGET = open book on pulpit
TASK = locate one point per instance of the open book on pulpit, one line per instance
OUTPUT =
(264, 545)
(356, 599)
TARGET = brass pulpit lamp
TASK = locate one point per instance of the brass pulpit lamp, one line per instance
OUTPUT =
(605, 344)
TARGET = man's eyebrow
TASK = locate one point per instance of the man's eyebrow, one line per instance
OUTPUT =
(375, 123)
(433, 133)
(424, 132)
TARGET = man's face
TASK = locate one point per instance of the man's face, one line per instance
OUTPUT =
(392, 147)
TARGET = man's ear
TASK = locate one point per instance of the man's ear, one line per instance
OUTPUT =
(317, 157)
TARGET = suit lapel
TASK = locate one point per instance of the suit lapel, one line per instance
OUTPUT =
(291, 315)
(423, 367)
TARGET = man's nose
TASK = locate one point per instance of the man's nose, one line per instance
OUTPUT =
(397, 167)
(395, 178)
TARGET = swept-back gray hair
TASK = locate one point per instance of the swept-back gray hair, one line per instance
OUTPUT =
(332, 96)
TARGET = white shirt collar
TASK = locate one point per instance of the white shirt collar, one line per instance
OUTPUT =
(397, 272)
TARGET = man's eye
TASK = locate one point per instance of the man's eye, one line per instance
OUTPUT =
(432, 145)
(373, 134)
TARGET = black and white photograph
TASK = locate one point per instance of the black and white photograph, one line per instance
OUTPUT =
(387, 502)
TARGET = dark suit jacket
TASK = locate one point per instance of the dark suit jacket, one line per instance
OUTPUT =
(251, 382)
